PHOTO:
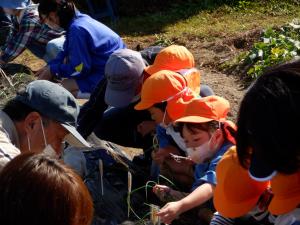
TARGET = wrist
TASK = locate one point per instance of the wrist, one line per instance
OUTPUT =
(53, 69)
(181, 206)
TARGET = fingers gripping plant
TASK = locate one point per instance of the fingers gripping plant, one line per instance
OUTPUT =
(149, 184)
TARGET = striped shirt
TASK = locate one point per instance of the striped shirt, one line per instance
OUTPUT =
(27, 30)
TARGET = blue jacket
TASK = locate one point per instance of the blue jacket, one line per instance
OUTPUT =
(88, 45)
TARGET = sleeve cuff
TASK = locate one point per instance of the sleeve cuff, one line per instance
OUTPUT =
(54, 69)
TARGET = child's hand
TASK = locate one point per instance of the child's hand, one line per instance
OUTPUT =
(161, 191)
(161, 188)
(170, 212)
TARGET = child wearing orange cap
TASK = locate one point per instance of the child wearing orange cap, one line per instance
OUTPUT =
(238, 198)
(208, 135)
(267, 144)
(172, 87)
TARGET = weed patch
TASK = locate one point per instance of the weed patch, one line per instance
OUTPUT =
(277, 45)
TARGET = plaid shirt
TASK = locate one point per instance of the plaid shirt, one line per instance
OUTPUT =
(28, 31)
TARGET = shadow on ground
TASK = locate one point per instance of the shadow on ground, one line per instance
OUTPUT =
(152, 16)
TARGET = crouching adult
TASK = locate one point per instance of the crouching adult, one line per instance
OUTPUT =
(39, 118)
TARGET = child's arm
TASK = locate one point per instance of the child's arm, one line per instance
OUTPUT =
(199, 196)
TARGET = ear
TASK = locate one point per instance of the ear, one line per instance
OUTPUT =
(32, 121)
(217, 139)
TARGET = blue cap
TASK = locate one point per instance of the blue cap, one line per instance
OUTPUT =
(14, 4)
(56, 103)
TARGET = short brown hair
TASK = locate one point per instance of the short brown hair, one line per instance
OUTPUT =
(36, 189)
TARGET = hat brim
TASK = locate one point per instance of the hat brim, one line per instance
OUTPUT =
(118, 98)
(143, 105)
(279, 206)
(152, 69)
(236, 193)
(74, 138)
(232, 210)
(259, 171)
(194, 119)
(10, 5)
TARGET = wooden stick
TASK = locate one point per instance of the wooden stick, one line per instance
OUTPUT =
(101, 175)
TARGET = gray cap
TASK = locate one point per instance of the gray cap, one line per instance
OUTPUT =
(56, 103)
(14, 4)
(123, 70)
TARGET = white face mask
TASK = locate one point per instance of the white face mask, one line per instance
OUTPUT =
(176, 137)
(202, 153)
(48, 150)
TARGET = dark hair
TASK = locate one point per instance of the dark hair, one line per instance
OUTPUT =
(36, 189)
(162, 105)
(65, 10)
(16, 110)
(268, 120)
(210, 126)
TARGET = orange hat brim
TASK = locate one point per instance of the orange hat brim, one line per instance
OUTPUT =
(279, 206)
(232, 210)
(143, 105)
(227, 199)
(152, 69)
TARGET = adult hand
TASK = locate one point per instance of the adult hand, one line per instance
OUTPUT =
(170, 212)
(146, 127)
(44, 74)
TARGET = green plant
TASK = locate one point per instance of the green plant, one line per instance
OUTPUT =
(277, 46)
(243, 4)
(163, 40)
(149, 184)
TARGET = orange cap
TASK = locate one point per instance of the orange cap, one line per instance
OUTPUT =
(162, 86)
(286, 190)
(177, 108)
(174, 57)
(201, 110)
(192, 77)
(236, 193)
